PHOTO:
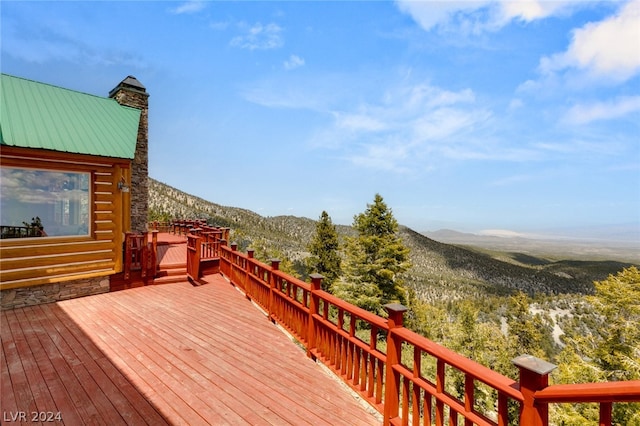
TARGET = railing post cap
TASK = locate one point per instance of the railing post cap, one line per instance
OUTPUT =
(536, 365)
(275, 260)
(395, 307)
(316, 276)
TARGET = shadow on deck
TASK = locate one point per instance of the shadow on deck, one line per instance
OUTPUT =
(172, 354)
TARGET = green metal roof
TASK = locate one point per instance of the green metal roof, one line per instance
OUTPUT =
(42, 116)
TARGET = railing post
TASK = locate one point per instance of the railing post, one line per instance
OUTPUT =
(314, 305)
(534, 376)
(606, 409)
(127, 255)
(234, 256)
(250, 255)
(144, 251)
(154, 252)
(394, 355)
(275, 265)
(247, 272)
(193, 256)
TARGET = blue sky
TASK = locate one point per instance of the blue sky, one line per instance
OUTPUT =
(467, 115)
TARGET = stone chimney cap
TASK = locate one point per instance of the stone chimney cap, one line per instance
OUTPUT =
(130, 83)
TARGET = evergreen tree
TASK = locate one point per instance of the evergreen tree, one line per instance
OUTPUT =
(531, 334)
(607, 350)
(325, 257)
(266, 252)
(617, 348)
(375, 260)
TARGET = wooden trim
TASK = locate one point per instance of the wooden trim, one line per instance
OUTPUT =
(72, 161)
(9, 265)
(52, 248)
(34, 243)
(58, 269)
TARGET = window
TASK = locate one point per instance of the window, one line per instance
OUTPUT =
(43, 203)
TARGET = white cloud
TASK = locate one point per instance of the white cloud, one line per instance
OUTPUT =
(609, 48)
(431, 14)
(405, 126)
(259, 37)
(430, 96)
(60, 47)
(515, 104)
(293, 62)
(442, 123)
(385, 156)
(358, 122)
(587, 113)
(189, 7)
(480, 15)
(531, 10)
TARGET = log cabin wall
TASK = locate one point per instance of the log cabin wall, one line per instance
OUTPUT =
(46, 269)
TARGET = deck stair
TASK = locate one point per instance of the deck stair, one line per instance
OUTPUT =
(172, 261)
(171, 273)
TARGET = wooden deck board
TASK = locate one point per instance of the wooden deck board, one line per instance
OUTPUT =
(172, 354)
(128, 403)
(173, 254)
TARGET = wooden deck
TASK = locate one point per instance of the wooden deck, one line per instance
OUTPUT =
(172, 254)
(172, 354)
(172, 249)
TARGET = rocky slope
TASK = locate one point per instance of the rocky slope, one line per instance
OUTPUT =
(439, 272)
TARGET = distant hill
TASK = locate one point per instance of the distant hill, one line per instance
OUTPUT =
(440, 271)
(598, 248)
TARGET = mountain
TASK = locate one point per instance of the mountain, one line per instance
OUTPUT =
(287, 234)
(440, 271)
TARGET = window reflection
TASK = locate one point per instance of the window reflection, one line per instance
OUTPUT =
(43, 203)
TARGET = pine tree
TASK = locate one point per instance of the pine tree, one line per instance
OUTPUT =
(375, 260)
(617, 350)
(325, 257)
(607, 350)
(531, 334)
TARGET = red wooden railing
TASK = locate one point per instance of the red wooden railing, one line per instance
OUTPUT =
(136, 254)
(604, 394)
(203, 243)
(203, 247)
(366, 351)
(193, 257)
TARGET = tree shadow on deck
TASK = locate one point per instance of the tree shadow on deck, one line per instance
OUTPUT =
(53, 370)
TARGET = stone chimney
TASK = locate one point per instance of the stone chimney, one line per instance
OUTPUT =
(132, 93)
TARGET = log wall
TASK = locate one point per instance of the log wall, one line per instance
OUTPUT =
(26, 262)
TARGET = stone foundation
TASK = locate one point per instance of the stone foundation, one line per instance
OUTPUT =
(47, 293)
